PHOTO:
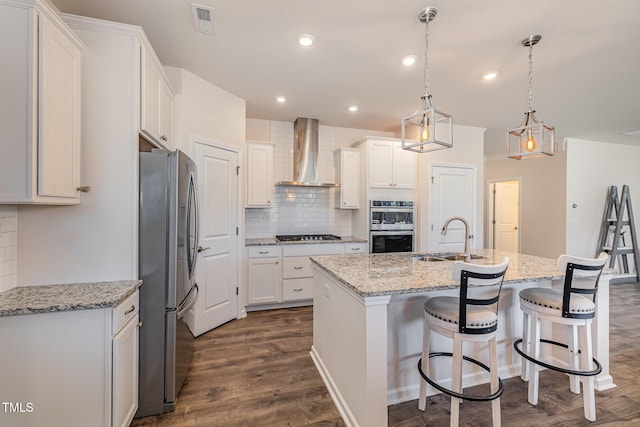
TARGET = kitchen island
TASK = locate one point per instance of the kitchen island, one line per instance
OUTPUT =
(368, 320)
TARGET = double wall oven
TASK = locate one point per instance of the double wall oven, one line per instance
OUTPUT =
(390, 226)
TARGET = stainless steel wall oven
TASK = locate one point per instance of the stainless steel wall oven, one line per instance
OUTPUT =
(391, 226)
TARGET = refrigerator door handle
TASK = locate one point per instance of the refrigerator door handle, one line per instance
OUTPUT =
(192, 253)
(196, 242)
(188, 301)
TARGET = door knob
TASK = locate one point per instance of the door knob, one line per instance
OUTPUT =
(515, 228)
(201, 249)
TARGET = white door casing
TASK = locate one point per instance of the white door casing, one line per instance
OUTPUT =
(217, 267)
(504, 226)
(453, 193)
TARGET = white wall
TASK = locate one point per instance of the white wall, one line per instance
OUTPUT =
(592, 167)
(205, 110)
(8, 236)
(542, 198)
(468, 149)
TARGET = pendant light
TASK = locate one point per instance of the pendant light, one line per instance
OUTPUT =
(532, 138)
(433, 129)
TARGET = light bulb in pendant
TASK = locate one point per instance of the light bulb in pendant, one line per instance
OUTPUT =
(424, 129)
(530, 145)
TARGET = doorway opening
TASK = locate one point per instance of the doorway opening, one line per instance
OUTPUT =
(504, 215)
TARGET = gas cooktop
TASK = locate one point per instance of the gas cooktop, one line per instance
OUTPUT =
(305, 237)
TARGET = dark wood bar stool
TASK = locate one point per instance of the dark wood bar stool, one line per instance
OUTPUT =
(574, 306)
(471, 317)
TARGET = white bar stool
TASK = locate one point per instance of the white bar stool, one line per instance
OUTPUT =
(575, 307)
(472, 317)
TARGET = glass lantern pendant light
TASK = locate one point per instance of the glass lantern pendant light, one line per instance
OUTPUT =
(428, 129)
(532, 138)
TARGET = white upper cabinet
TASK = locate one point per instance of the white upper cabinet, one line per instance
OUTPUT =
(40, 106)
(156, 103)
(348, 176)
(405, 167)
(259, 175)
(389, 165)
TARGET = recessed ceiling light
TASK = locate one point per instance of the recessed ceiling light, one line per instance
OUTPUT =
(409, 60)
(281, 99)
(306, 40)
(490, 75)
(353, 108)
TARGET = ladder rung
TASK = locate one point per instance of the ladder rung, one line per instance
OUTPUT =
(620, 250)
(616, 205)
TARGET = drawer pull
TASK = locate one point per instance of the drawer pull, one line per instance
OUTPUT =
(297, 289)
(355, 249)
(130, 310)
(298, 268)
(263, 252)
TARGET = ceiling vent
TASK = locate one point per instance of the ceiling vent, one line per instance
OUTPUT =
(203, 18)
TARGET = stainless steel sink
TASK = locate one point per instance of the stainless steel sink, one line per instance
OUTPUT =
(445, 256)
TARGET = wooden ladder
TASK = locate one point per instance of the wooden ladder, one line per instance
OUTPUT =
(614, 240)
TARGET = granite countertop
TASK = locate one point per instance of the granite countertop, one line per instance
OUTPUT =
(77, 296)
(400, 273)
(273, 241)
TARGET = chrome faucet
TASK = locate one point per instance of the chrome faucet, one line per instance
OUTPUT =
(466, 233)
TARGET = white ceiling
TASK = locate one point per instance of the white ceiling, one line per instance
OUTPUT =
(586, 68)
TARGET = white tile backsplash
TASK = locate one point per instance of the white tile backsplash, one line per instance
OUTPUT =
(299, 210)
(8, 237)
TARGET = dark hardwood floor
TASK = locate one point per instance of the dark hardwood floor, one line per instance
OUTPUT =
(257, 372)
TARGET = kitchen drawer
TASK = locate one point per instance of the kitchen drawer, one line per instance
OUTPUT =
(296, 289)
(312, 249)
(356, 248)
(297, 266)
(125, 311)
(264, 251)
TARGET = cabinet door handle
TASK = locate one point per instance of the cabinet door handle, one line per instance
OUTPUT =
(164, 137)
(130, 309)
(298, 267)
(297, 290)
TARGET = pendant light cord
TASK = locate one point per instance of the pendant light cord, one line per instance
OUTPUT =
(530, 76)
(426, 58)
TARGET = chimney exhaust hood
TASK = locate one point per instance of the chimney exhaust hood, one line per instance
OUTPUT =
(305, 155)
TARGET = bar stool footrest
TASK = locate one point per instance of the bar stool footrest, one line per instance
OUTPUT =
(595, 371)
(452, 393)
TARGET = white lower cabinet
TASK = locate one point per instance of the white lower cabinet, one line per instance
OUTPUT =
(70, 368)
(283, 274)
(264, 275)
(125, 351)
(356, 248)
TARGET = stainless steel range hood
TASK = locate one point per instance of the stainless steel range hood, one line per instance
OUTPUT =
(305, 155)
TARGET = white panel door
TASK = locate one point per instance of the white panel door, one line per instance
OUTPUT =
(506, 216)
(217, 267)
(453, 193)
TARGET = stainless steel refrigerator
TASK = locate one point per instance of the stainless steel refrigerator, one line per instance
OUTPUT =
(168, 231)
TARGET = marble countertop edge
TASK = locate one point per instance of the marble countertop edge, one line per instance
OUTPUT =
(37, 299)
(371, 275)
